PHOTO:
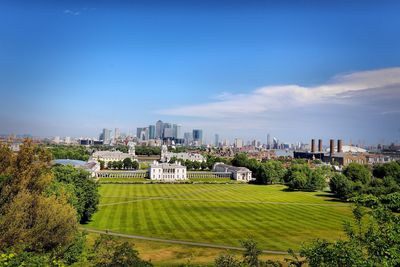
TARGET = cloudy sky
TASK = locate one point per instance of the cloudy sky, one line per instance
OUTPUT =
(294, 69)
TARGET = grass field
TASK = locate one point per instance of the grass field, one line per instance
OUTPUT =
(220, 213)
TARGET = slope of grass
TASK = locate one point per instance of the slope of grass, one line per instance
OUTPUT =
(220, 213)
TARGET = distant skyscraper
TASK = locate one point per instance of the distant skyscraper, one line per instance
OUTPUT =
(143, 133)
(188, 137)
(198, 136)
(159, 129)
(269, 141)
(106, 136)
(152, 132)
(166, 125)
(139, 132)
(238, 143)
(117, 134)
(177, 131)
(216, 140)
(169, 133)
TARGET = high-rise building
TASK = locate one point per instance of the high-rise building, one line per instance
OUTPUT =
(166, 125)
(139, 132)
(269, 141)
(106, 136)
(238, 143)
(159, 129)
(117, 134)
(177, 131)
(188, 137)
(198, 136)
(142, 133)
(152, 132)
(169, 133)
(216, 140)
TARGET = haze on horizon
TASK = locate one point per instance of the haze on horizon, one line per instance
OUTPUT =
(294, 69)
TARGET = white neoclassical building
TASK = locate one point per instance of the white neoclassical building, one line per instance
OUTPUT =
(108, 156)
(237, 173)
(166, 156)
(167, 172)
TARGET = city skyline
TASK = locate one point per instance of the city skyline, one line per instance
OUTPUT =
(239, 70)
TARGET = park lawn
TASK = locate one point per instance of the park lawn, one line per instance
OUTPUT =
(213, 180)
(221, 213)
(121, 180)
(169, 255)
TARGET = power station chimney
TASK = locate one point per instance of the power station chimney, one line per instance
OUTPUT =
(312, 145)
(319, 145)
(340, 146)
(332, 146)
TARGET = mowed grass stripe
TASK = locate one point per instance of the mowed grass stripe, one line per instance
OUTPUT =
(187, 214)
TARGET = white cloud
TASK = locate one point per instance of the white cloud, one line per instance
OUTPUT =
(342, 89)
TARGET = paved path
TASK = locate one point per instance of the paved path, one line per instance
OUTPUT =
(208, 245)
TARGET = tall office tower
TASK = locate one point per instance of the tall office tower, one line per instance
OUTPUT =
(152, 132)
(117, 134)
(159, 129)
(198, 136)
(269, 141)
(216, 140)
(238, 143)
(188, 137)
(106, 136)
(276, 143)
(139, 132)
(67, 140)
(166, 125)
(143, 133)
(169, 133)
(177, 131)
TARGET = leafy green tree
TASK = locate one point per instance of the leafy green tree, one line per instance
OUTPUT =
(102, 164)
(341, 186)
(357, 173)
(251, 253)
(226, 260)
(390, 169)
(85, 189)
(29, 219)
(127, 163)
(111, 252)
(373, 240)
(135, 165)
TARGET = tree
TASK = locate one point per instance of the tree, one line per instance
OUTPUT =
(102, 164)
(251, 253)
(135, 165)
(341, 186)
(28, 218)
(373, 240)
(391, 169)
(357, 173)
(111, 252)
(85, 190)
(127, 162)
(227, 261)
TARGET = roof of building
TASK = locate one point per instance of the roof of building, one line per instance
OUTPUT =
(166, 165)
(231, 168)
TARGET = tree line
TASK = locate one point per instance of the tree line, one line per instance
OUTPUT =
(40, 210)
(126, 164)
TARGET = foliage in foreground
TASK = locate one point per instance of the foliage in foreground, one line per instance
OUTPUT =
(84, 191)
(32, 221)
(372, 240)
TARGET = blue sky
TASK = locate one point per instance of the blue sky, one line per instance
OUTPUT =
(74, 67)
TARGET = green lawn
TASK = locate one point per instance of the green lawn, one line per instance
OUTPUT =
(220, 213)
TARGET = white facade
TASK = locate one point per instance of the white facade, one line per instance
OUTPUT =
(108, 156)
(167, 156)
(167, 172)
(237, 173)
